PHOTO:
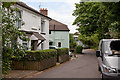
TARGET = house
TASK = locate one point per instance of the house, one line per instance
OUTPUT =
(58, 33)
(75, 35)
(36, 27)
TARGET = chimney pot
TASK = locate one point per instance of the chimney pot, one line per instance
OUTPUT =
(44, 11)
(40, 8)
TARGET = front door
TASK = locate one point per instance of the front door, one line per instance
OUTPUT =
(34, 44)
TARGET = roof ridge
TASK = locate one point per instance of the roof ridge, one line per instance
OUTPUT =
(30, 8)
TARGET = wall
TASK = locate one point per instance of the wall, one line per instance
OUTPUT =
(46, 28)
(60, 36)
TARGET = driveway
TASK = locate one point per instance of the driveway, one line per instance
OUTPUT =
(84, 66)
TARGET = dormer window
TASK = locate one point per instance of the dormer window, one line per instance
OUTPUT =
(18, 23)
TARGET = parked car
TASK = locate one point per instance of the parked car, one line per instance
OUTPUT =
(109, 58)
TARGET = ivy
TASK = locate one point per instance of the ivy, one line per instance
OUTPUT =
(10, 33)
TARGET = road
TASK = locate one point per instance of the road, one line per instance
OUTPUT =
(84, 66)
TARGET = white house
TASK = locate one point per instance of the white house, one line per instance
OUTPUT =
(75, 35)
(36, 27)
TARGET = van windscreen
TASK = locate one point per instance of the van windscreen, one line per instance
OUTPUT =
(115, 47)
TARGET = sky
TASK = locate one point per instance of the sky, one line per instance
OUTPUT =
(60, 10)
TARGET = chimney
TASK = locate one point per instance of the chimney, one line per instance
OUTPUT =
(44, 11)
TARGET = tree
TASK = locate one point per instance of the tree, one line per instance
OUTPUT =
(97, 20)
(72, 41)
(10, 33)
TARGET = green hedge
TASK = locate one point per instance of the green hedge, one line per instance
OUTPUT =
(40, 55)
(79, 49)
(62, 51)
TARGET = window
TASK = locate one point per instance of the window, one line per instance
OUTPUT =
(14, 45)
(59, 44)
(42, 25)
(50, 43)
(18, 23)
(25, 46)
(115, 47)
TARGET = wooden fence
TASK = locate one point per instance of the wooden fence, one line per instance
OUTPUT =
(33, 65)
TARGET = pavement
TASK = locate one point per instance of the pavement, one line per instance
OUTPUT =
(84, 66)
(19, 73)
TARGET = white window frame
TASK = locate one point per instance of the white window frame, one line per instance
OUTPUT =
(19, 22)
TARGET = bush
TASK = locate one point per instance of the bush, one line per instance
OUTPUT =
(62, 51)
(40, 55)
(79, 49)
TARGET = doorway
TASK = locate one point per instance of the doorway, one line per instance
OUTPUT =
(34, 44)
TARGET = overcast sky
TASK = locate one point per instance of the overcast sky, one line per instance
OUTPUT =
(60, 10)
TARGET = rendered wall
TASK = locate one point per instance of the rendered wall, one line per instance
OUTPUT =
(60, 36)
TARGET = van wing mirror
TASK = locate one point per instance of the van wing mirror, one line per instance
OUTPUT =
(97, 53)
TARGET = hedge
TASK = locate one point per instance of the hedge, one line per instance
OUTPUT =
(79, 49)
(62, 51)
(40, 55)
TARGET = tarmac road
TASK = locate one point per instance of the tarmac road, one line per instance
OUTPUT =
(84, 66)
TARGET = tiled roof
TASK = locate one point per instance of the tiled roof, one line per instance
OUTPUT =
(40, 37)
(57, 26)
(28, 33)
(26, 6)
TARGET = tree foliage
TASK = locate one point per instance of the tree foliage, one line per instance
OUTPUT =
(10, 33)
(72, 41)
(97, 20)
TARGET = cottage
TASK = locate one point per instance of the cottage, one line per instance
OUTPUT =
(36, 27)
(59, 34)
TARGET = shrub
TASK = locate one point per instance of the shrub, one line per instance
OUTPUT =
(62, 51)
(79, 49)
(40, 55)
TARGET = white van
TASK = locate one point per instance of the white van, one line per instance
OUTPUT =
(109, 58)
